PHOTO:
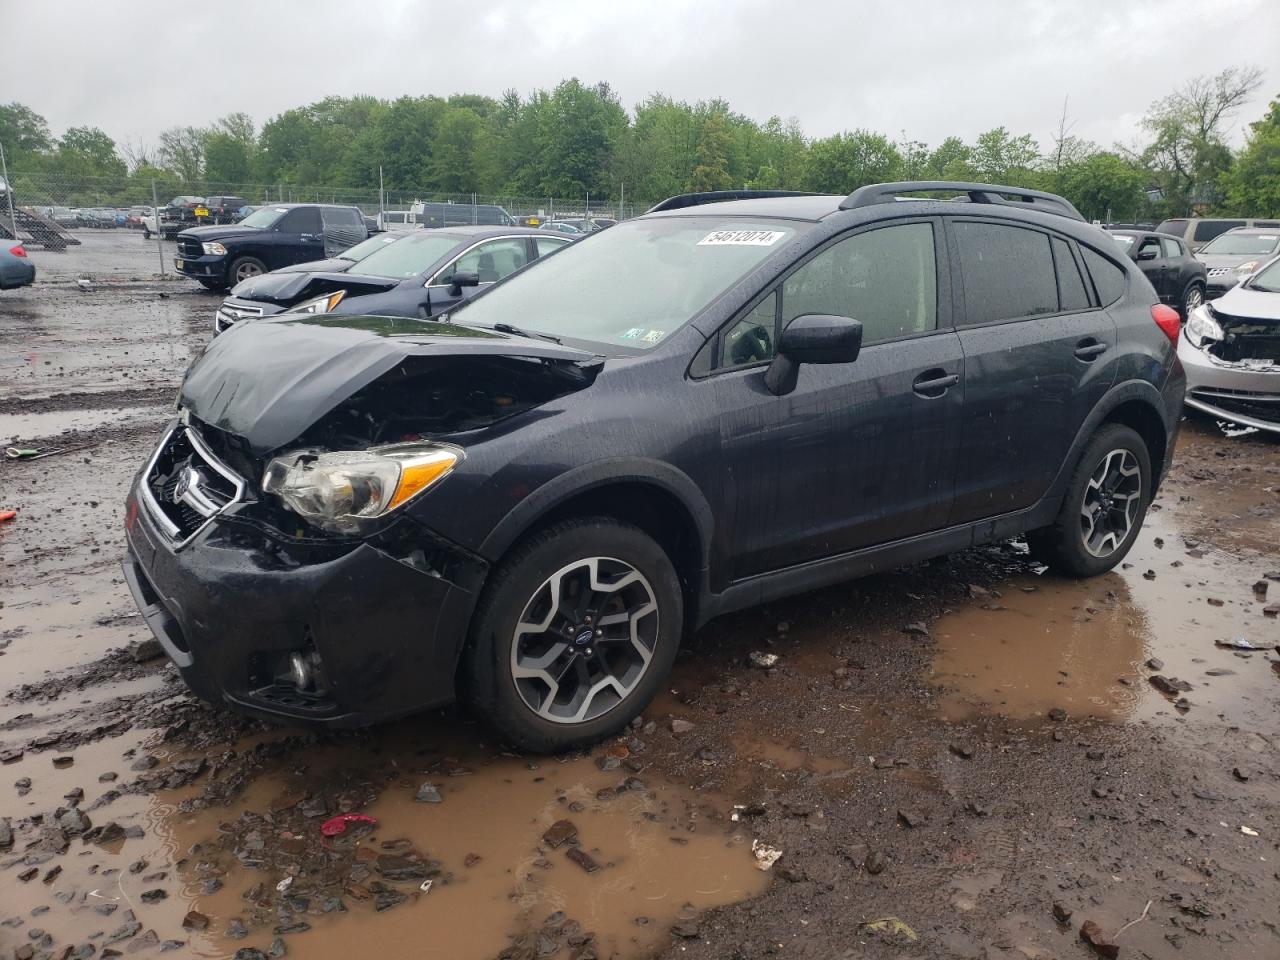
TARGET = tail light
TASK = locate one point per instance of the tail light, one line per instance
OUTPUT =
(18, 251)
(1168, 320)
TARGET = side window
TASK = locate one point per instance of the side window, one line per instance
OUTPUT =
(341, 217)
(751, 339)
(1108, 278)
(1007, 272)
(1206, 230)
(1150, 247)
(1071, 289)
(549, 245)
(301, 220)
(1172, 249)
(886, 278)
(492, 261)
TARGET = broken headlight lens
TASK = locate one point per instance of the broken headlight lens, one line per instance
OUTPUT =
(320, 304)
(1249, 267)
(1201, 327)
(340, 491)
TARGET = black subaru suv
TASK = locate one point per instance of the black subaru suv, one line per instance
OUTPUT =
(274, 236)
(530, 502)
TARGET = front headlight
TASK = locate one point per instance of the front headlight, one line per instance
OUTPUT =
(214, 249)
(1202, 327)
(341, 491)
(1249, 267)
(320, 304)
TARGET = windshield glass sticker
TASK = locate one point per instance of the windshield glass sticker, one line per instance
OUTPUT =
(653, 336)
(742, 238)
(635, 333)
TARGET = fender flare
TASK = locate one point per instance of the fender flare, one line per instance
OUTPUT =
(600, 473)
(1120, 393)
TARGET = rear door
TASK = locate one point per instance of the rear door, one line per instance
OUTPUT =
(859, 453)
(343, 228)
(1037, 358)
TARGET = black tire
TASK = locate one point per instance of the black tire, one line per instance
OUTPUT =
(241, 268)
(1063, 545)
(146, 234)
(1192, 297)
(514, 587)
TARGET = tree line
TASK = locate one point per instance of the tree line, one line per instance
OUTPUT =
(579, 139)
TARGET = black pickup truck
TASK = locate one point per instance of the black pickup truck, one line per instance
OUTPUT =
(274, 236)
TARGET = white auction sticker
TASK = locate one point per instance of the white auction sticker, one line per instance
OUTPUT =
(748, 238)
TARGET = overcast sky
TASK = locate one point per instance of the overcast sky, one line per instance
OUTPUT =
(926, 68)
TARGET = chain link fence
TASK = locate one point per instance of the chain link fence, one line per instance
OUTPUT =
(107, 203)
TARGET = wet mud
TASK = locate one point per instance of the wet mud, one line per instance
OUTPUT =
(964, 758)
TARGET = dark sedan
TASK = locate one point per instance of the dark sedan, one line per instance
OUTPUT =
(1179, 278)
(423, 273)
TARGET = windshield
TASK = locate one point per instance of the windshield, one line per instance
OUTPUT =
(410, 256)
(1239, 244)
(634, 284)
(1121, 239)
(1267, 279)
(365, 247)
(264, 216)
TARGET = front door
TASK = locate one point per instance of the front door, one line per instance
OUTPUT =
(1153, 263)
(491, 261)
(1037, 354)
(860, 453)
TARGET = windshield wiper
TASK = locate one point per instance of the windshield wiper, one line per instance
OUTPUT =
(508, 328)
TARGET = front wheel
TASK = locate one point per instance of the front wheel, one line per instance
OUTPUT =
(242, 268)
(1105, 504)
(1192, 297)
(574, 635)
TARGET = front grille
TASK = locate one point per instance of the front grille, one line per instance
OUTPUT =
(1244, 403)
(228, 314)
(189, 248)
(187, 485)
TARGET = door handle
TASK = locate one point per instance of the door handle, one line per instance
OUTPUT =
(1090, 349)
(934, 383)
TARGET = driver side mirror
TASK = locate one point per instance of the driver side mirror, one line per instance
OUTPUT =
(463, 278)
(1147, 254)
(812, 338)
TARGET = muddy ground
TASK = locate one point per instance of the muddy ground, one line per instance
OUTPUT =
(964, 758)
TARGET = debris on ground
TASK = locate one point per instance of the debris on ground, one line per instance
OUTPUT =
(766, 856)
(890, 925)
(763, 661)
(338, 825)
(1092, 935)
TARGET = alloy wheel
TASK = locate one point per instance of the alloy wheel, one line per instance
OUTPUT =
(246, 270)
(1195, 297)
(1111, 502)
(584, 640)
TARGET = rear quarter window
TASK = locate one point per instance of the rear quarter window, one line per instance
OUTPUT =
(1206, 230)
(1108, 278)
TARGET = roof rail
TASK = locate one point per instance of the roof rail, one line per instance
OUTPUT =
(976, 193)
(717, 196)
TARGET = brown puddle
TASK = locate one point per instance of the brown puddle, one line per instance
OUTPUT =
(1083, 645)
(663, 854)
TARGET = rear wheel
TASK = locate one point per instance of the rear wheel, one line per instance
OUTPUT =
(242, 268)
(1105, 504)
(575, 633)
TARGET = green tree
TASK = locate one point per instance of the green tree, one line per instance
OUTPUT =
(1252, 186)
(88, 152)
(1000, 157)
(576, 132)
(462, 152)
(712, 169)
(182, 151)
(24, 134)
(1105, 185)
(1187, 153)
(846, 161)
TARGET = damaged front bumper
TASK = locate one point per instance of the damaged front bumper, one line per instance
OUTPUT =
(376, 625)
(1245, 392)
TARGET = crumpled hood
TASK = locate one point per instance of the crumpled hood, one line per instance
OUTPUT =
(1249, 304)
(270, 380)
(290, 288)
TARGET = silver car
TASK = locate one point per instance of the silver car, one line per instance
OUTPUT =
(1234, 255)
(1230, 349)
